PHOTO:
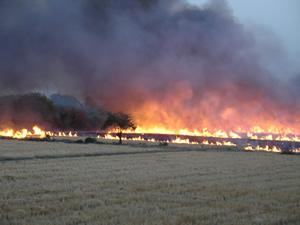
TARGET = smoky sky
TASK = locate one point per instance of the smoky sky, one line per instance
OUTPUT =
(126, 54)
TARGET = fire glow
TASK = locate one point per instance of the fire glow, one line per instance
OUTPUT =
(39, 133)
(178, 140)
(36, 132)
(218, 134)
(174, 68)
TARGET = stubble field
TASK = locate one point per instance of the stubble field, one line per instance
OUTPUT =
(143, 183)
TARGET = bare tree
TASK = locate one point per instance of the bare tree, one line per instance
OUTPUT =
(120, 121)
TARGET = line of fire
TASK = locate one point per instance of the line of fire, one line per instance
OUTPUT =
(186, 74)
(247, 141)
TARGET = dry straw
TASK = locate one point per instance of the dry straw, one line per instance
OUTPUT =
(172, 187)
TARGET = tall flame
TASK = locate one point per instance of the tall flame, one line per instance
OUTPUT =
(37, 132)
(219, 133)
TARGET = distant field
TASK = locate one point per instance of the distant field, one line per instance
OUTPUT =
(143, 183)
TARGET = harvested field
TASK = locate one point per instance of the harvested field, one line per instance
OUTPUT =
(143, 183)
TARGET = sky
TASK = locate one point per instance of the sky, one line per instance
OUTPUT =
(280, 17)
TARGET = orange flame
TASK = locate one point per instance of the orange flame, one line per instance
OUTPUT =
(205, 142)
(219, 133)
(25, 133)
(37, 132)
(251, 136)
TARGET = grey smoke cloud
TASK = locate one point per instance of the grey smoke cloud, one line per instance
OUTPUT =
(129, 54)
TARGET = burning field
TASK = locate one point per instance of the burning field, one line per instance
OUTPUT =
(176, 68)
(282, 144)
(191, 78)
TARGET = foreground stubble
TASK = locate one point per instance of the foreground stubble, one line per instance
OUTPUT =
(184, 187)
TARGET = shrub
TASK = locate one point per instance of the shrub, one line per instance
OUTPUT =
(37, 139)
(163, 144)
(90, 140)
(79, 141)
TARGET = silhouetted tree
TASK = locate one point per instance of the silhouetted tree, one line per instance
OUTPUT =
(26, 110)
(120, 121)
(71, 118)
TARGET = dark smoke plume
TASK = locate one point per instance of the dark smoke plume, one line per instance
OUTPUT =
(165, 61)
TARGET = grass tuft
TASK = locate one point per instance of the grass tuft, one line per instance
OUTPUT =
(163, 144)
(90, 140)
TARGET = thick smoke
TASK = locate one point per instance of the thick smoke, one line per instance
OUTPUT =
(168, 63)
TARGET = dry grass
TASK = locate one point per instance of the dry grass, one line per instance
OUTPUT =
(160, 187)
